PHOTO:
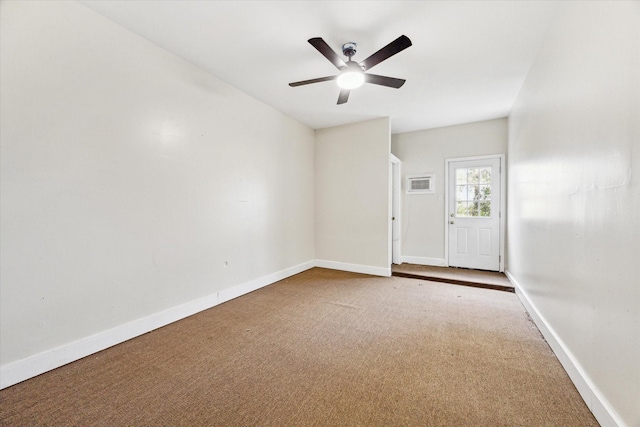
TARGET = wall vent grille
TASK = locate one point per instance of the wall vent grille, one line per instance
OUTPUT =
(420, 184)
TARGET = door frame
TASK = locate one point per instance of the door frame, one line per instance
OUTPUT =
(503, 202)
(395, 178)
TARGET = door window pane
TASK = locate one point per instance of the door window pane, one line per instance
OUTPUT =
(485, 176)
(473, 176)
(485, 209)
(461, 176)
(462, 209)
(473, 192)
(484, 193)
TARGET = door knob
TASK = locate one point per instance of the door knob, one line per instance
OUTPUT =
(450, 222)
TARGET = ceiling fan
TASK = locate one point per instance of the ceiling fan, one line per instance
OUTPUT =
(353, 74)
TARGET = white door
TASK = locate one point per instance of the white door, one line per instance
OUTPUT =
(473, 213)
(395, 211)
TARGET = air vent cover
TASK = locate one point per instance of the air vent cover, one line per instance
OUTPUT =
(420, 184)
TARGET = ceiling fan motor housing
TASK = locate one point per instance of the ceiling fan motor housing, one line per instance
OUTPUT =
(349, 49)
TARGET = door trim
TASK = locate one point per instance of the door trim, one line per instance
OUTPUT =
(503, 202)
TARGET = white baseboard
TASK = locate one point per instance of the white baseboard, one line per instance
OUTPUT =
(591, 395)
(20, 370)
(354, 268)
(434, 262)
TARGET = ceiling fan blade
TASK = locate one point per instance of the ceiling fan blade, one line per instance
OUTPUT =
(384, 80)
(344, 96)
(318, 80)
(328, 53)
(396, 46)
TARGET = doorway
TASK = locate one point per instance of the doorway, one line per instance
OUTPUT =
(474, 213)
(396, 165)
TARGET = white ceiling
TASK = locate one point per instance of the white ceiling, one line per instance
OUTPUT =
(467, 63)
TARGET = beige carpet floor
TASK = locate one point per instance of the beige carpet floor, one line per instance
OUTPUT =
(323, 348)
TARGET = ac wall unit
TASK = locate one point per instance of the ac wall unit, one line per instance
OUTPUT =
(421, 184)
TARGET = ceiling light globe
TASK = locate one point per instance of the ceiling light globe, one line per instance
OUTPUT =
(350, 80)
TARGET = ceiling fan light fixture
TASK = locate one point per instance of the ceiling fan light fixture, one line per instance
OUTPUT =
(350, 79)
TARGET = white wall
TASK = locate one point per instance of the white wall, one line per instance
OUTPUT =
(574, 200)
(425, 151)
(129, 178)
(352, 201)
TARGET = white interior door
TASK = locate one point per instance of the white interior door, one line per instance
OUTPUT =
(473, 213)
(395, 211)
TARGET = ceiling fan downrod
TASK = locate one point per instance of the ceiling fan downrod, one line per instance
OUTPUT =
(349, 49)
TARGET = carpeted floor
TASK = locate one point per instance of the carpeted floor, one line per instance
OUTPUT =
(323, 348)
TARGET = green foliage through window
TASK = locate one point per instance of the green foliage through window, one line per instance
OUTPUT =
(473, 192)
